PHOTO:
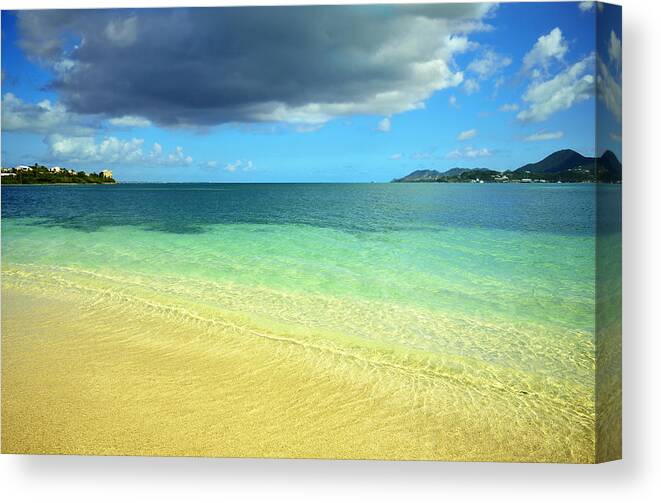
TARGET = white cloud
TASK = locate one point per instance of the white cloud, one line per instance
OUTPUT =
(130, 121)
(420, 156)
(395, 157)
(122, 32)
(609, 90)
(615, 50)
(384, 125)
(509, 107)
(569, 87)
(308, 128)
(232, 166)
(469, 153)
(542, 136)
(547, 48)
(85, 148)
(43, 117)
(585, 6)
(498, 83)
(112, 150)
(489, 64)
(178, 157)
(239, 165)
(47, 118)
(157, 150)
(471, 86)
(467, 135)
(73, 148)
(452, 101)
(64, 68)
(70, 136)
(423, 79)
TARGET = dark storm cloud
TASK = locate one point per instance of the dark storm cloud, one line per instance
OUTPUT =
(198, 67)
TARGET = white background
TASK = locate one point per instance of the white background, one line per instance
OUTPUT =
(636, 478)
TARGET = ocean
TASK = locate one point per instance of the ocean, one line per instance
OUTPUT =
(426, 321)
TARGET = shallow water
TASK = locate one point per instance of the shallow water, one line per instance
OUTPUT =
(476, 297)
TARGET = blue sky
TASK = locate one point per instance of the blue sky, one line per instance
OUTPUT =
(321, 94)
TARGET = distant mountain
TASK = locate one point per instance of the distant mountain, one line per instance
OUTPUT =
(568, 162)
(561, 166)
(557, 162)
(609, 168)
(431, 175)
(455, 171)
(421, 175)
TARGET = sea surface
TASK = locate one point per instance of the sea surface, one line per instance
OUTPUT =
(489, 289)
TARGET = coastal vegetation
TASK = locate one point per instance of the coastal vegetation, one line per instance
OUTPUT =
(39, 174)
(564, 166)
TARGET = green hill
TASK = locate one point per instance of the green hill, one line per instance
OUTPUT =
(561, 166)
(38, 174)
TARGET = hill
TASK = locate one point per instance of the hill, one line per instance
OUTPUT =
(431, 175)
(39, 175)
(557, 162)
(421, 175)
(608, 166)
(562, 166)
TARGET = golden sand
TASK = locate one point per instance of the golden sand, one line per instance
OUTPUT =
(122, 379)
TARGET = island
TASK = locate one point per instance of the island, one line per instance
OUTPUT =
(38, 174)
(563, 166)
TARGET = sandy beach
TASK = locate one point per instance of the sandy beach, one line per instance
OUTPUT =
(95, 372)
(384, 321)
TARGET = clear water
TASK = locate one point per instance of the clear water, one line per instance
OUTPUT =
(497, 254)
(489, 282)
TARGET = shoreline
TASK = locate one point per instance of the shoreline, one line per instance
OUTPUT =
(90, 373)
(312, 183)
(55, 183)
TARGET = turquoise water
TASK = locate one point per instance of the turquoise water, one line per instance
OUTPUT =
(503, 274)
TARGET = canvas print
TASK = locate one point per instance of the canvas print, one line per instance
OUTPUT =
(345, 232)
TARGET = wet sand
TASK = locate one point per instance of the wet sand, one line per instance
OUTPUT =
(109, 375)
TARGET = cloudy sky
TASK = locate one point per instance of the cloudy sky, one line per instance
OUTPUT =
(349, 93)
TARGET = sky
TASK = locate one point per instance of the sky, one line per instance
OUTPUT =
(309, 94)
